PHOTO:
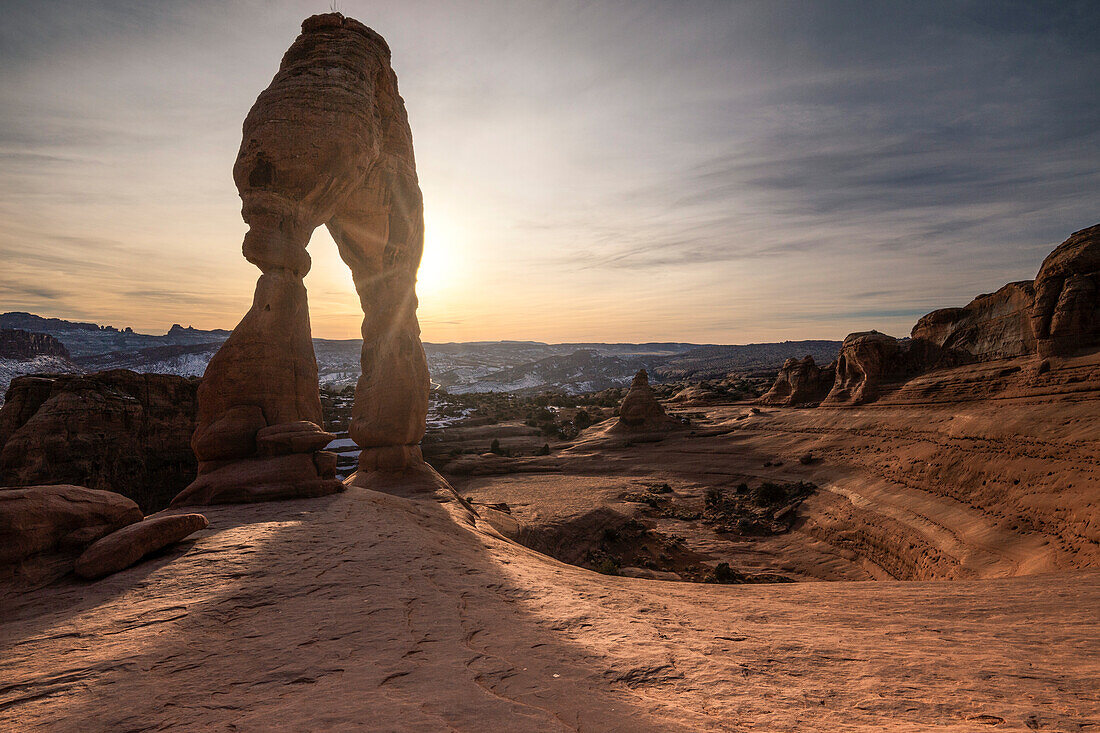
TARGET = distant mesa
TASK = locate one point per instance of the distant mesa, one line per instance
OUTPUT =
(19, 344)
(800, 381)
(640, 411)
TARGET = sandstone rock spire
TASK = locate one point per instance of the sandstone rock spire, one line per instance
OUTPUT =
(328, 142)
(640, 412)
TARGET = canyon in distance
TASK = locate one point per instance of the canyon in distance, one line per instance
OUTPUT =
(253, 529)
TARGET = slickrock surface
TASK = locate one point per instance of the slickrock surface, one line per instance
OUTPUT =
(327, 142)
(43, 528)
(369, 611)
(640, 411)
(126, 546)
(116, 431)
(800, 381)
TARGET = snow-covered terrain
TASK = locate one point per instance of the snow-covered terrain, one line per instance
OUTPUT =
(12, 368)
(459, 368)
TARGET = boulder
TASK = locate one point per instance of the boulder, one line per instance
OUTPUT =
(800, 381)
(1065, 315)
(640, 412)
(42, 528)
(124, 547)
(114, 431)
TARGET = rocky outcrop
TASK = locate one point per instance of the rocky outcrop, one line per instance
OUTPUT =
(115, 431)
(800, 381)
(42, 528)
(124, 547)
(18, 344)
(640, 411)
(992, 326)
(868, 361)
(1056, 315)
(328, 142)
(1065, 315)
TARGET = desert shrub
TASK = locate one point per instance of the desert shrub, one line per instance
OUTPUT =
(769, 493)
(494, 447)
(712, 497)
(582, 420)
(723, 573)
(608, 566)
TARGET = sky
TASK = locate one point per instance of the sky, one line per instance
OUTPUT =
(709, 172)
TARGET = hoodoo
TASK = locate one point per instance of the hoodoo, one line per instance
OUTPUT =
(640, 411)
(328, 142)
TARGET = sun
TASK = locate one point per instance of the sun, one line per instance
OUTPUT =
(441, 265)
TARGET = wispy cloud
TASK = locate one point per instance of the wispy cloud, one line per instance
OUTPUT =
(707, 170)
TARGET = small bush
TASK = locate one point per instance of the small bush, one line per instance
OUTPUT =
(608, 566)
(769, 493)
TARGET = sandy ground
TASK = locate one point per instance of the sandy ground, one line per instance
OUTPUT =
(368, 611)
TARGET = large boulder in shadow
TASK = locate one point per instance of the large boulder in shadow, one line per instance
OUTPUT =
(116, 431)
(1065, 315)
(44, 528)
(800, 381)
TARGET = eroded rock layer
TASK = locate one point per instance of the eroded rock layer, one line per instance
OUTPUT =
(800, 381)
(327, 142)
(1066, 313)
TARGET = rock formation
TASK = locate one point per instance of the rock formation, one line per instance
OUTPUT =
(867, 361)
(800, 381)
(992, 326)
(640, 411)
(1056, 315)
(115, 431)
(18, 344)
(1065, 315)
(124, 547)
(43, 528)
(328, 142)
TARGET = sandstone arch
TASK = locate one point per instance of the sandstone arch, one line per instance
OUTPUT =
(328, 142)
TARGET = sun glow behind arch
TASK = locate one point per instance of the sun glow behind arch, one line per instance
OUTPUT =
(334, 304)
(442, 267)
